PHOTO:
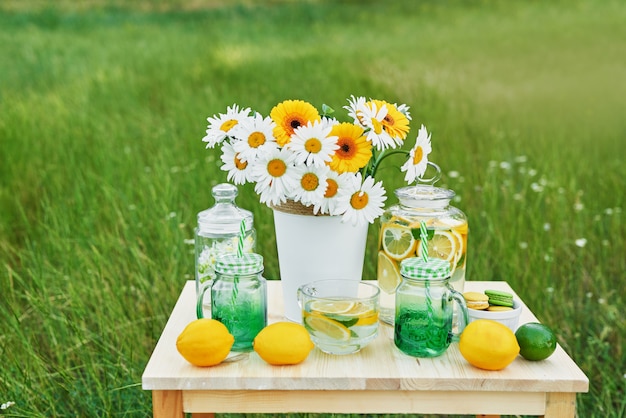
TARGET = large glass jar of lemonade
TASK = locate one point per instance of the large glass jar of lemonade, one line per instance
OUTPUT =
(400, 238)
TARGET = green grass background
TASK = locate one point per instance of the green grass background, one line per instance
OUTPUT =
(102, 170)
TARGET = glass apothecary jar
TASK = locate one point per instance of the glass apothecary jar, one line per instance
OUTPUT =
(218, 231)
(400, 238)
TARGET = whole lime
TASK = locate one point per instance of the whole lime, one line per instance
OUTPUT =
(536, 341)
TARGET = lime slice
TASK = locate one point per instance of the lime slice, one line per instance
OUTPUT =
(398, 241)
(318, 324)
(388, 274)
(331, 306)
(443, 245)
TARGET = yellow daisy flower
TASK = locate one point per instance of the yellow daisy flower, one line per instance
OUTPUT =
(290, 115)
(395, 123)
(354, 150)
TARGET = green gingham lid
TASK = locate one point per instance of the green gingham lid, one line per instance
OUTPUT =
(417, 268)
(249, 263)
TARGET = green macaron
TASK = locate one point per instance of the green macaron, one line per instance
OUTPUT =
(499, 298)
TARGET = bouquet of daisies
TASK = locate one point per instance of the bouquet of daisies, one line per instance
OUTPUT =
(298, 153)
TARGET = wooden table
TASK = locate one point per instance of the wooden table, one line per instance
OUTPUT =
(378, 379)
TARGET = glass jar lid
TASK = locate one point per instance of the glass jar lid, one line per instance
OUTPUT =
(225, 216)
(417, 268)
(231, 264)
(424, 196)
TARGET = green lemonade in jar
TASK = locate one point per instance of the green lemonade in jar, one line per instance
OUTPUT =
(399, 239)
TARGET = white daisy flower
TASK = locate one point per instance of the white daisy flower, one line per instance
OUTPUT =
(254, 136)
(404, 109)
(220, 126)
(416, 165)
(355, 103)
(329, 122)
(239, 171)
(336, 184)
(275, 176)
(362, 202)
(312, 144)
(371, 117)
(311, 184)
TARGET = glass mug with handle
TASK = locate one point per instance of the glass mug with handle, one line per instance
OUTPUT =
(340, 315)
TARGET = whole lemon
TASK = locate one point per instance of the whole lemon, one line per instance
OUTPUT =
(204, 342)
(283, 343)
(488, 344)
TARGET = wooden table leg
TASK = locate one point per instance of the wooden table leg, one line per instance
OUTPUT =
(202, 415)
(167, 403)
(560, 405)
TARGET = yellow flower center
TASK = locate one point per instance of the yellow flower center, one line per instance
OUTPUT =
(256, 139)
(359, 200)
(228, 125)
(378, 127)
(331, 188)
(418, 155)
(313, 145)
(241, 165)
(276, 167)
(309, 182)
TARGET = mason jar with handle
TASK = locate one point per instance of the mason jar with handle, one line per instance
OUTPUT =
(400, 237)
(238, 297)
(424, 321)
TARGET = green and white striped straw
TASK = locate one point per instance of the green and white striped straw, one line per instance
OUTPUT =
(424, 245)
(242, 235)
(424, 241)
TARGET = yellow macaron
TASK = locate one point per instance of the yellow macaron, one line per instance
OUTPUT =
(494, 308)
(476, 300)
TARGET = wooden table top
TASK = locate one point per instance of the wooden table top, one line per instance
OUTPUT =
(380, 366)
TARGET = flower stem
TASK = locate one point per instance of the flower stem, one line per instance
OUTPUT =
(379, 159)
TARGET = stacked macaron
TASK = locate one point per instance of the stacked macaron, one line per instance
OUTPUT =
(476, 300)
(491, 300)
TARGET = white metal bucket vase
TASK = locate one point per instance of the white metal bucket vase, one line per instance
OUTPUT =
(312, 248)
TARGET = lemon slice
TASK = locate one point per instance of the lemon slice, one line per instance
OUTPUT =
(459, 240)
(369, 319)
(331, 306)
(359, 308)
(388, 274)
(442, 245)
(318, 324)
(398, 241)
(366, 314)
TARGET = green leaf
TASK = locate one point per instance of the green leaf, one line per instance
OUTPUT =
(346, 321)
(417, 235)
(327, 110)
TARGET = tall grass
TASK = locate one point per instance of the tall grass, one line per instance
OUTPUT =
(102, 170)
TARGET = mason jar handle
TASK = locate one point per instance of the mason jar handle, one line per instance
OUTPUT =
(200, 301)
(462, 318)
